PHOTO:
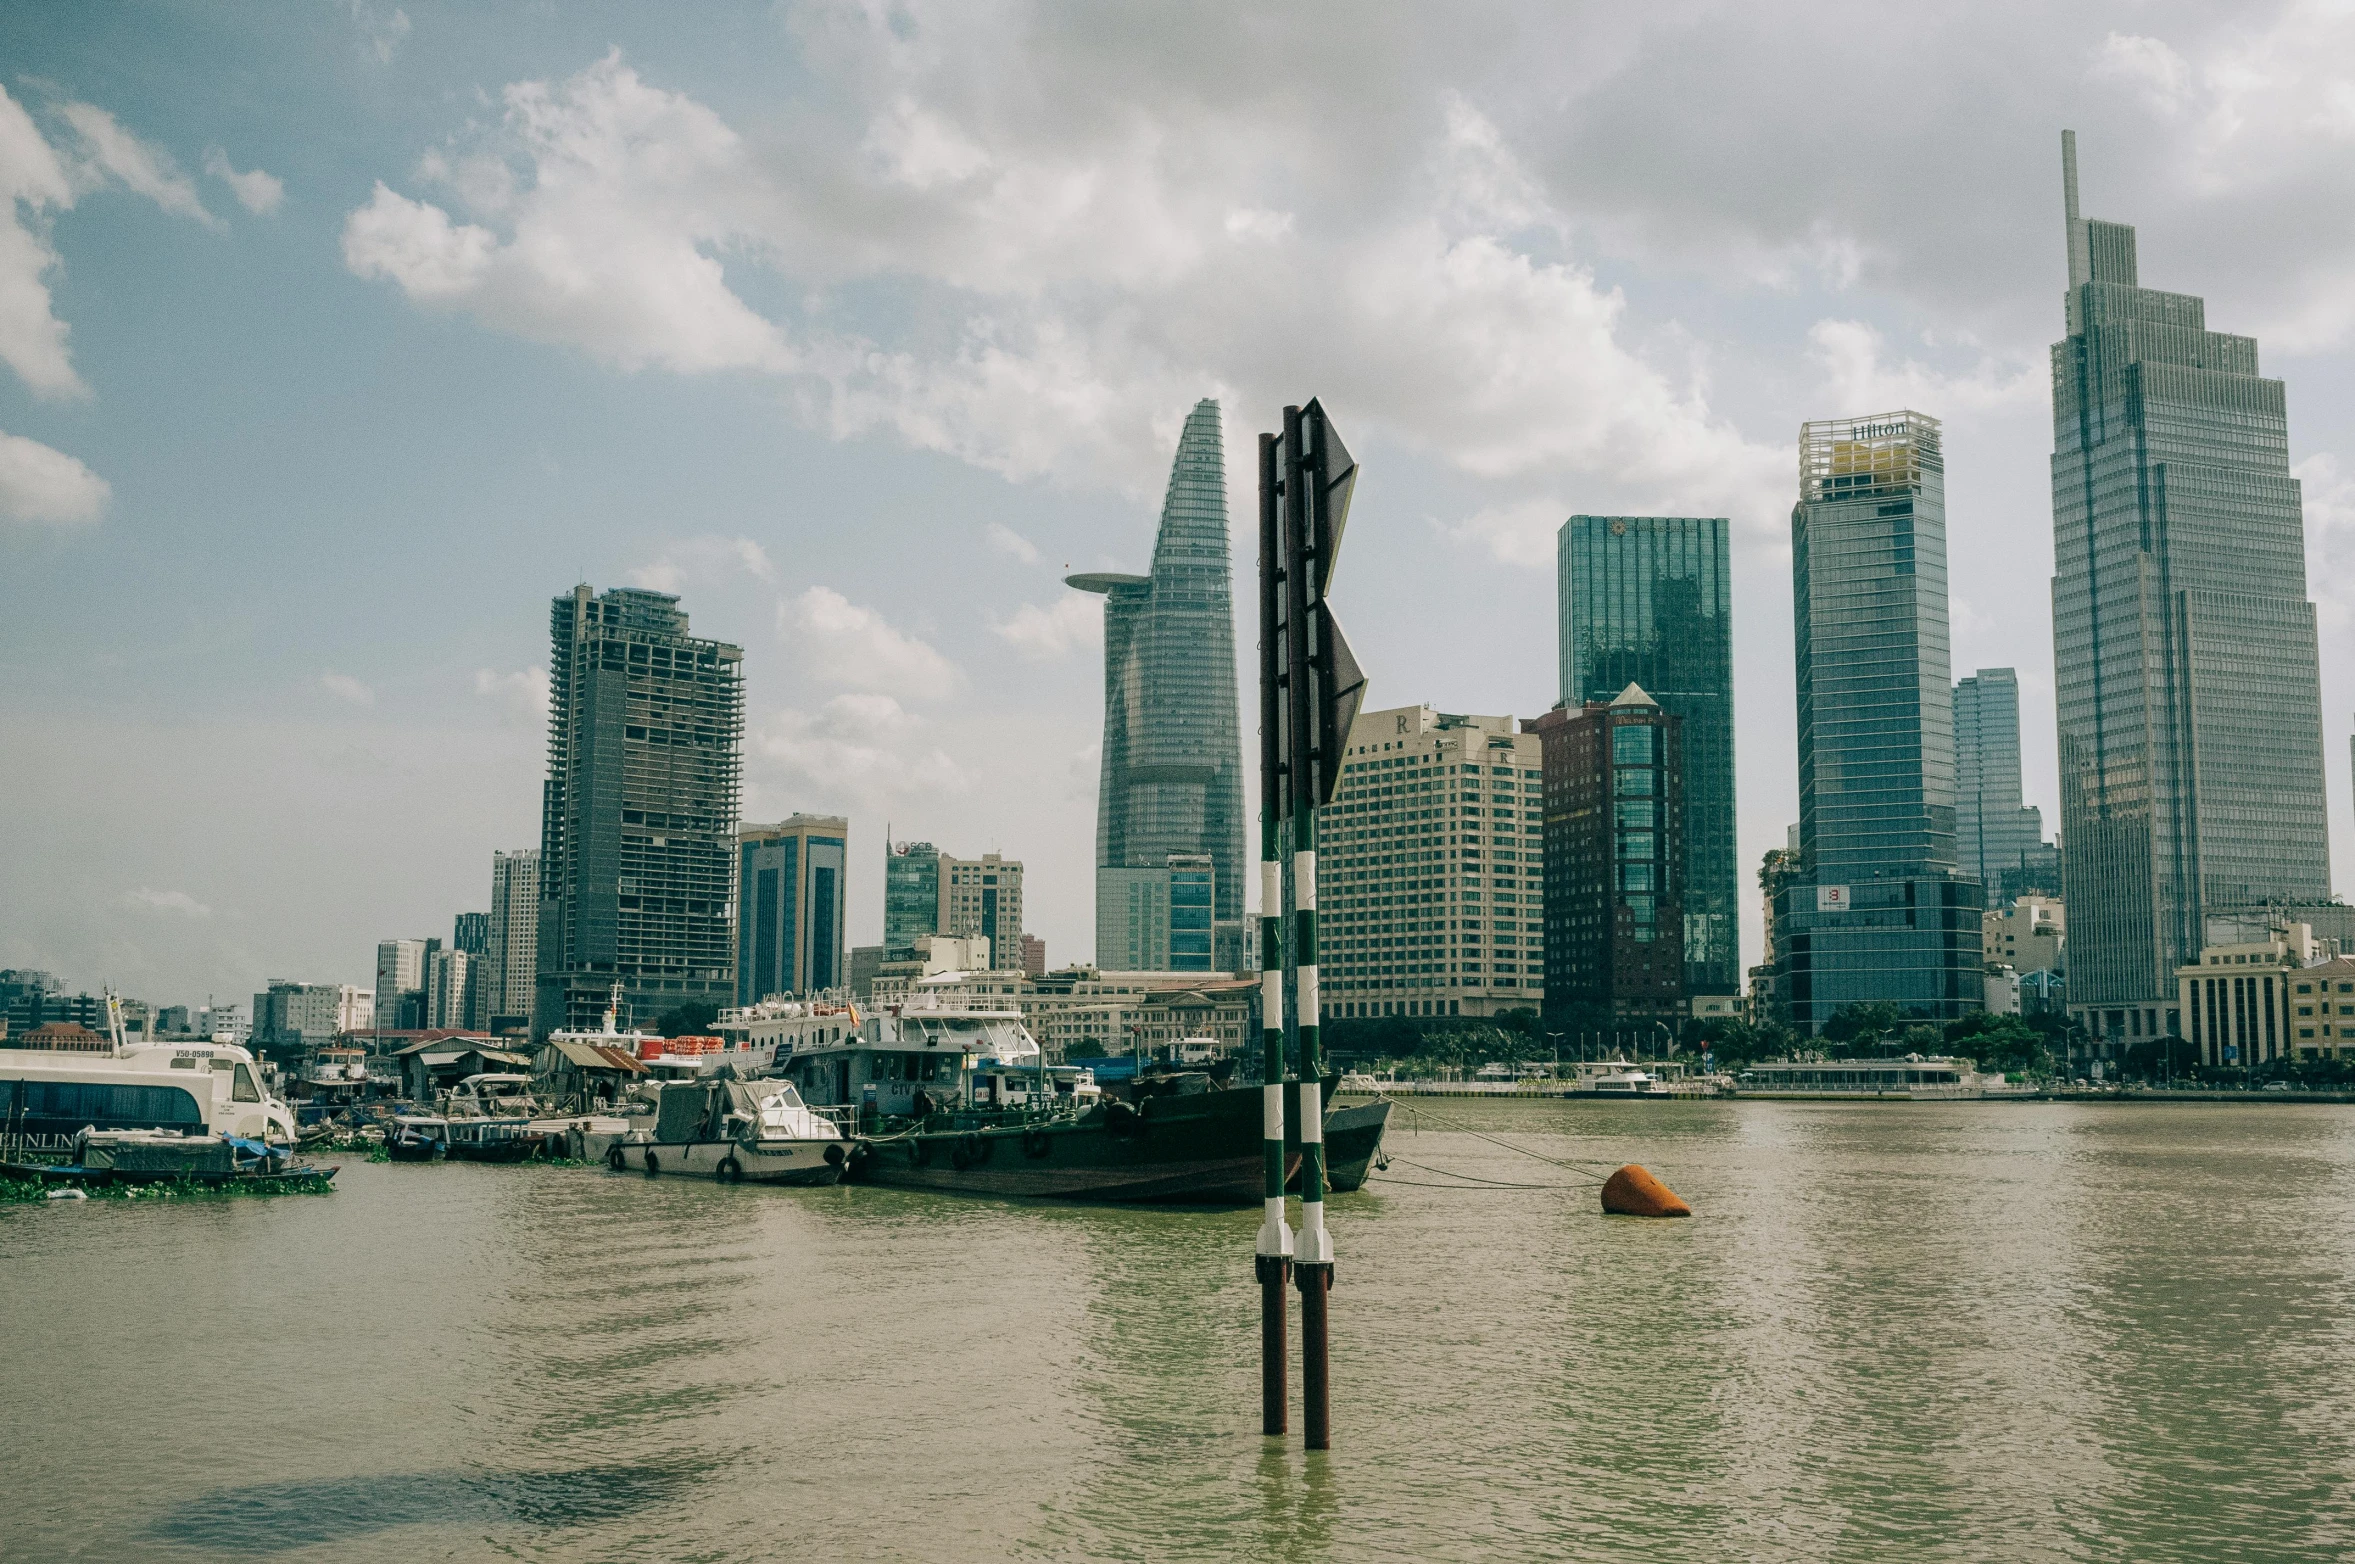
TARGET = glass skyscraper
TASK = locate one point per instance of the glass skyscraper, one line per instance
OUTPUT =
(1877, 912)
(2183, 644)
(1172, 778)
(1994, 833)
(1648, 600)
(638, 815)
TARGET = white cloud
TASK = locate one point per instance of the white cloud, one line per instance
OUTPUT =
(180, 902)
(108, 149)
(38, 484)
(1042, 634)
(859, 747)
(1851, 355)
(32, 183)
(610, 248)
(2148, 63)
(1519, 532)
(856, 647)
(344, 687)
(522, 694)
(383, 31)
(256, 191)
(1007, 541)
(703, 558)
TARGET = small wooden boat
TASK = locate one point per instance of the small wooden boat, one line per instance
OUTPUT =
(416, 1137)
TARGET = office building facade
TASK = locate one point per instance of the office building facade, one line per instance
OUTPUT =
(471, 933)
(1157, 920)
(402, 967)
(911, 896)
(2184, 646)
(1995, 834)
(638, 814)
(1876, 912)
(1615, 858)
(792, 884)
(982, 898)
(1648, 600)
(510, 969)
(1172, 775)
(1431, 868)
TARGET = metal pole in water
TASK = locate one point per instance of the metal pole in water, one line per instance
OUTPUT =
(1312, 1266)
(1272, 1254)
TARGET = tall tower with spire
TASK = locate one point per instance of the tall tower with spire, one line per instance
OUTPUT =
(1172, 781)
(2184, 652)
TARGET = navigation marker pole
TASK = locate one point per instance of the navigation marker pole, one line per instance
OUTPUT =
(1322, 689)
(1272, 1257)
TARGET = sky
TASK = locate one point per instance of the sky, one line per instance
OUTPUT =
(336, 340)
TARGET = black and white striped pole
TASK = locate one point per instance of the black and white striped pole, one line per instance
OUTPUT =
(1312, 688)
(1272, 1255)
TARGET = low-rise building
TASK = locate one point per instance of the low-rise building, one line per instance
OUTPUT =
(2029, 935)
(2251, 1002)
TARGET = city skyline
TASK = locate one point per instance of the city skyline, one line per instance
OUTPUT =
(828, 452)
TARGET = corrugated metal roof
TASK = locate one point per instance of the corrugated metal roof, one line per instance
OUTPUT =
(593, 1056)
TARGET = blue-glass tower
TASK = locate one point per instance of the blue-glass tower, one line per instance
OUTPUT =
(2184, 647)
(1648, 600)
(1877, 913)
(1172, 780)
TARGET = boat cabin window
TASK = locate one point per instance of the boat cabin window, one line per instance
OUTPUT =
(185, 1064)
(245, 1090)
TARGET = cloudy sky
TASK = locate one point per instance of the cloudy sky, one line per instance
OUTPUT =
(336, 339)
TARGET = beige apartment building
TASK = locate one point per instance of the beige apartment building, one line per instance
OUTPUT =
(2027, 936)
(1430, 868)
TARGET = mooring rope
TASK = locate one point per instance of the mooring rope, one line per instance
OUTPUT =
(1473, 1182)
(1578, 1165)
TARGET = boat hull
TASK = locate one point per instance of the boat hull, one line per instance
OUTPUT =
(1353, 1136)
(1202, 1149)
(730, 1161)
(412, 1150)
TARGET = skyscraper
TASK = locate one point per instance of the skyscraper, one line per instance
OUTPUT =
(510, 971)
(1614, 859)
(2183, 644)
(1994, 833)
(638, 815)
(1648, 600)
(402, 970)
(471, 933)
(1876, 912)
(1172, 777)
(790, 889)
(926, 891)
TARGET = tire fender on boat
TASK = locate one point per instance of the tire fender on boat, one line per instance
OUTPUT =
(1037, 1143)
(652, 1166)
(615, 1160)
(835, 1155)
(730, 1171)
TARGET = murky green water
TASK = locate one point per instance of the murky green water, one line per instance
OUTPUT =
(1944, 1332)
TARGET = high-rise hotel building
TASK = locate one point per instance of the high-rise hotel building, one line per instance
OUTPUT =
(2184, 646)
(1648, 600)
(1431, 868)
(638, 815)
(1876, 912)
(1172, 778)
(511, 972)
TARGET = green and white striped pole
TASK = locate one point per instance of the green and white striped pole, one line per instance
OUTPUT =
(1272, 1254)
(1313, 1262)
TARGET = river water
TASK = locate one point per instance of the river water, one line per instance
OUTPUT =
(1954, 1331)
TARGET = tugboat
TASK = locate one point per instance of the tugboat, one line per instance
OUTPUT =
(911, 1078)
(734, 1131)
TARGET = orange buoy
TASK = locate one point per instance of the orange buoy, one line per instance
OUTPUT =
(1633, 1191)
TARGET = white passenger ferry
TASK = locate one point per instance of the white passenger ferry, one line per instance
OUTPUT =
(1914, 1078)
(203, 1089)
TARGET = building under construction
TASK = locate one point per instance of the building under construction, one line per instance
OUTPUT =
(638, 816)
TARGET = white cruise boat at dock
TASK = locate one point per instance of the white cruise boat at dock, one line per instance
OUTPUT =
(208, 1089)
(1914, 1078)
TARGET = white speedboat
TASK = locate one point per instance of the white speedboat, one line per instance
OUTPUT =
(757, 1132)
(1625, 1080)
